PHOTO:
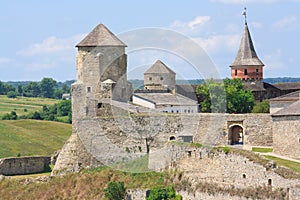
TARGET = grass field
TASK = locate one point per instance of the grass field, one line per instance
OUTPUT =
(262, 150)
(32, 137)
(21, 104)
(295, 166)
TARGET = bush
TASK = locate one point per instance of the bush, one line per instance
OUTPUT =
(163, 193)
(262, 107)
(12, 94)
(115, 191)
(12, 116)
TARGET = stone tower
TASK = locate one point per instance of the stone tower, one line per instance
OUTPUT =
(101, 72)
(159, 77)
(246, 65)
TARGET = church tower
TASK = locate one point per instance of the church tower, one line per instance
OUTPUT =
(246, 65)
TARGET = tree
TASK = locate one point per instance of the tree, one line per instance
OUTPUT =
(48, 87)
(261, 107)
(12, 94)
(64, 107)
(229, 96)
(115, 191)
(32, 89)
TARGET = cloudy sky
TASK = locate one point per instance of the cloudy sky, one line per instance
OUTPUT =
(38, 38)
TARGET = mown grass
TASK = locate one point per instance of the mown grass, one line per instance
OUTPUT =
(32, 137)
(262, 150)
(295, 166)
(21, 104)
(138, 165)
(88, 184)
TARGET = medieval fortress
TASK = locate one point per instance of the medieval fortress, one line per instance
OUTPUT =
(107, 129)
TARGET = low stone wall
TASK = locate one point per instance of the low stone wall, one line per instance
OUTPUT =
(24, 165)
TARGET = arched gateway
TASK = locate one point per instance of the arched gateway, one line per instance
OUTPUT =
(235, 134)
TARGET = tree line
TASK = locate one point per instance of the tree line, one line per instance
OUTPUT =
(46, 88)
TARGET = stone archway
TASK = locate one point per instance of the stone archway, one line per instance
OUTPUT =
(235, 134)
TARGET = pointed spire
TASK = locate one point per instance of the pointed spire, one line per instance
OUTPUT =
(245, 14)
(100, 36)
(246, 55)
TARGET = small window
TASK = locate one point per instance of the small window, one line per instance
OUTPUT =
(244, 175)
(88, 89)
(245, 72)
(99, 105)
(161, 78)
(270, 182)
(150, 78)
(257, 72)
(235, 72)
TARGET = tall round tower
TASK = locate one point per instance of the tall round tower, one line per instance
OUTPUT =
(246, 65)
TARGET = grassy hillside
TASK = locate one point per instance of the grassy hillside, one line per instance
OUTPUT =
(32, 137)
(23, 105)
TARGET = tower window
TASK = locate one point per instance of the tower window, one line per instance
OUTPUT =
(150, 78)
(235, 72)
(245, 72)
(161, 78)
(256, 72)
(88, 89)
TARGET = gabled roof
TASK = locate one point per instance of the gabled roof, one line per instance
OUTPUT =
(159, 68)
(288, 86)
(246, 55)
(100, 36)
(293, 96)
(291, 110)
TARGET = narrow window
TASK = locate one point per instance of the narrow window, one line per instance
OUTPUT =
(150, 78)
(244, 175)
(161, 78)
(235, 72)
(270, 182)
(88, 89)
(245, 72)
(256, 72)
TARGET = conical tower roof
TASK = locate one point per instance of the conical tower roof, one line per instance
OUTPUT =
(100, 36)
(246, 55)
(159, 68)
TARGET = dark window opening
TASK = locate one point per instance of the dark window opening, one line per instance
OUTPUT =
(244, 175)
(88, 89)
(270, 182)
(172, 138)
(256, 72)
(150, 78)
(99, 105)
(246, 72)
(235, 72)
(161, 78)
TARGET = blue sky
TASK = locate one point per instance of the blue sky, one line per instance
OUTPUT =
(38, 38)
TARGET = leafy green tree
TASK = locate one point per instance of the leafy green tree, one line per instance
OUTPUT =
(162, 193)
(229, 96)
(10, 116)
(20, 90)
(32, 89)
(261, 107)
(48, 87)
(115, 191)
(64, 108)
(12, 94)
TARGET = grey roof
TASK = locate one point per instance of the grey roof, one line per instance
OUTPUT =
(291, 110)
(159, 68)
(246, 55)
(100, 36)
(288, 86)
(254, 87)
(293, 96)
(166, 99)
(187, 91)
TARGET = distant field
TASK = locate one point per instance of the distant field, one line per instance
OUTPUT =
(32, 137)
(21, 104)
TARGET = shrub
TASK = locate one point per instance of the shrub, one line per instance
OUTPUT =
(12, 94)
(163, 193)
(115, 191)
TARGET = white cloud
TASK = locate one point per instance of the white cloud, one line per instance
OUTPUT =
(220, 43)
(5, 60)
(51, 45)
(198, 21)
(194, 26)
(286, 24)
(273, 61)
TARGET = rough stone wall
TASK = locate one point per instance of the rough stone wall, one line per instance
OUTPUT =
(167, 80)
(24, 165)
(286, 136)
(231, 169)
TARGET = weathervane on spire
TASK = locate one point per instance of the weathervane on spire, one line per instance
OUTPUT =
(245, 14)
